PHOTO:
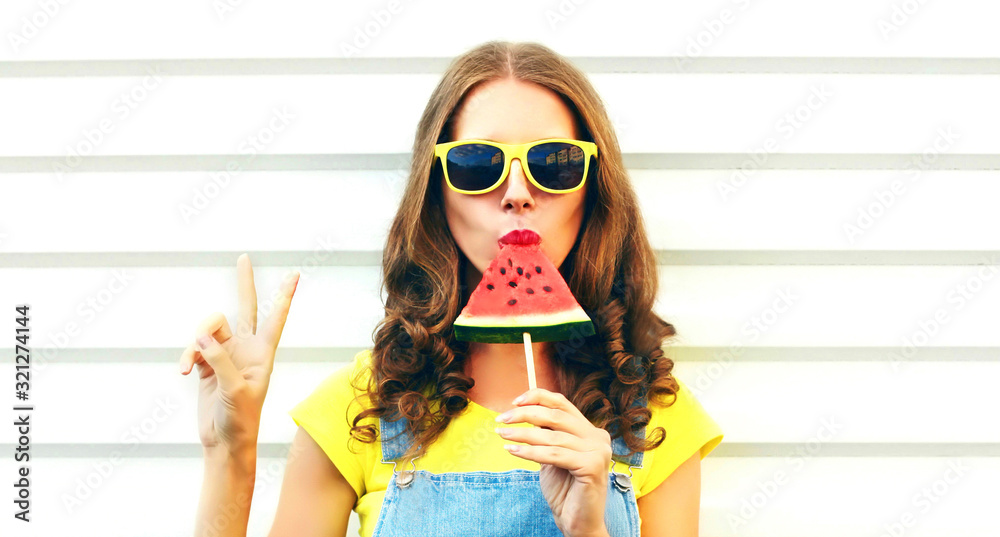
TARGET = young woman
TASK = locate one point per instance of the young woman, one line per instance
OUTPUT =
(609, 443)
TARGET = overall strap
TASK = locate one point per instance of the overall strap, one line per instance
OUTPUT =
(621, 451)
(394, 437)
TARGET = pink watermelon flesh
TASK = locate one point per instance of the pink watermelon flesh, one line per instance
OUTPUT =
(522, 291)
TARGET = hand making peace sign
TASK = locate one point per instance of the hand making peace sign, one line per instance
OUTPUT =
(235, 368)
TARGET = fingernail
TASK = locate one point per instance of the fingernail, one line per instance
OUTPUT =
(511, 448)
(519, 400)
(204, 342)
(502, 418)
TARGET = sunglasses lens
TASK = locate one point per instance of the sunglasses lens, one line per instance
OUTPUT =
(557, 165)
(474, 166)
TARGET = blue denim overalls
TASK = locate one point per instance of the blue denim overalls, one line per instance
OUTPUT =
(419, 503)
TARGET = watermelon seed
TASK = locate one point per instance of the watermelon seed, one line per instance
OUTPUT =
(520, 270)
(512, 283)
(512, 301)
(489, 286)
(509, 262)
(547, 289)
(503, 270)
(538, 270)
(528, 275)
(531, 291)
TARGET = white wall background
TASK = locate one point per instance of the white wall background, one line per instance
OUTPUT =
(757, 134)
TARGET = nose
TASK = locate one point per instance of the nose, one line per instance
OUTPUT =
(518, 191)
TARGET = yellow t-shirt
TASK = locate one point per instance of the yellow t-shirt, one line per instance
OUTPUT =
(470, 444)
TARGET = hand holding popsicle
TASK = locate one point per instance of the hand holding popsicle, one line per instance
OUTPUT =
(574, 456)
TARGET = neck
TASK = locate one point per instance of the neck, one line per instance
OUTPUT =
(500, 372)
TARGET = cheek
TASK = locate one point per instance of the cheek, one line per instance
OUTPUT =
(464, 215)
(468, 220)
(573, 217)
(570, 211)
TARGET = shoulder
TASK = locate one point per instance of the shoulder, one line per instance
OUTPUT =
(327, 414)
(685, 414)
(688, 429)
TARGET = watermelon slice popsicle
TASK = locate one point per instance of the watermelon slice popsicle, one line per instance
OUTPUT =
(521, 297)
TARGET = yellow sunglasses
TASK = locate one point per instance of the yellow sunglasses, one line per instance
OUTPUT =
(556, 165)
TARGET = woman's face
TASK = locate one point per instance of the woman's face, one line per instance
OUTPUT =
(512, 111)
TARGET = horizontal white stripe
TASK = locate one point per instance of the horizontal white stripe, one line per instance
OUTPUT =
(374, 28)
(757, 114)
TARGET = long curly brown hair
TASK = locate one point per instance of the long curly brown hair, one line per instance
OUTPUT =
(418, 366)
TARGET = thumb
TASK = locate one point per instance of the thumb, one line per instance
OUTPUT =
(218, 357)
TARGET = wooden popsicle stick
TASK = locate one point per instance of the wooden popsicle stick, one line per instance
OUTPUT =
(530, 359)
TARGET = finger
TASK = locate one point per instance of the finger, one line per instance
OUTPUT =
(541, 396)
(188, 358)
(575, 461)
(246, 320)
(191, 357)
(545, 437)
(204, 370)
(228, 377)
(552, 418)
(216, 325)
(271, 331)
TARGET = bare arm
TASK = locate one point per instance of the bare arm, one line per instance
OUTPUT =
(226, 492)
(315, 499)
(234, 370)
(672, 508)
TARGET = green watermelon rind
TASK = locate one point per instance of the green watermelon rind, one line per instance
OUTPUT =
(515, 334)
(557, 326)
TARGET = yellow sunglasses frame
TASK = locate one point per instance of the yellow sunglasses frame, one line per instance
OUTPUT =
(511, 152)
